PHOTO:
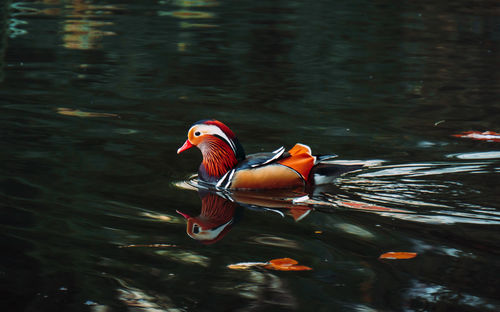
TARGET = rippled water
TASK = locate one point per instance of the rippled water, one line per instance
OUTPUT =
(96, 97)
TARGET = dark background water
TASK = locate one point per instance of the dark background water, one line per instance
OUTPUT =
(363, 79)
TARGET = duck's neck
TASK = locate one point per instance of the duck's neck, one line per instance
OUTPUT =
(218, 158)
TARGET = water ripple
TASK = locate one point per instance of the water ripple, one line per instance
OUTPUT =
(438, 193)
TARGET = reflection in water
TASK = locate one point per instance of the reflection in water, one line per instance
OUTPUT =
(264, 290)
(260, 289)
(187, 16)
(479, 155)
(4, 26)
(82, 27)
(420, 293)
(16, 23)
(214, 221)
(417, 187)
(380, 189)
(221, 210)
(139, 300)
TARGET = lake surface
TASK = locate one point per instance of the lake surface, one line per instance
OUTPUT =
(96, 97)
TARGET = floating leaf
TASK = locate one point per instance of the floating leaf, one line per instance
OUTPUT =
(246, 265)
(282, 264)
(488, 136)
(286, 264)
(393, 255)
(78, 113)
(283, 261)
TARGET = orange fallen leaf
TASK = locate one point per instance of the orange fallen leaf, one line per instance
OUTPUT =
(283, 261)
(488, 136)
(289, 268)
(393, 255)
(286, 264)
(282, 264)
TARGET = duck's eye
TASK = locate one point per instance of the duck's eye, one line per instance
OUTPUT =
(197, 133)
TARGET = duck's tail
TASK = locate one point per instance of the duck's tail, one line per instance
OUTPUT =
(327, 171)
(320, 169)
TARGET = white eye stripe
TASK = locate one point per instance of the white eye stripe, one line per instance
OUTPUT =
(214, 130)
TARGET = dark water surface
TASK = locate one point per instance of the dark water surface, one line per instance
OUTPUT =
(96, 96)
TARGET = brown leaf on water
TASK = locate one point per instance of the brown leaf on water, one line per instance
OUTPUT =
(78, 113)
(398, 255)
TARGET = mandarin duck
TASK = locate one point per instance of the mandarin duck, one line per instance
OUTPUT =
(226, 166)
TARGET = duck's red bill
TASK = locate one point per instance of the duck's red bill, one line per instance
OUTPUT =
(187, 145)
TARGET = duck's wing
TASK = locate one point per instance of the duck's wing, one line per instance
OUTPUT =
(262, 159)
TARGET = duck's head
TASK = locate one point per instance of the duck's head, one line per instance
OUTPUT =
(219, 146)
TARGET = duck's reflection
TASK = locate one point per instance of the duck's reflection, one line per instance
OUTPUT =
(220, 211)
(216, 218)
